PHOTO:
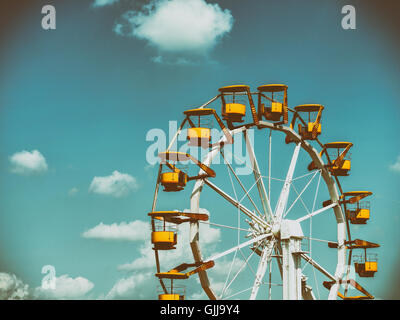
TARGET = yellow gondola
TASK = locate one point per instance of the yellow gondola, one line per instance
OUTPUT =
(233, 104)
(338, 156)
(176, 179)
(309, 128)
(199, 134)
(272, 102)
(357, 211)
(366, 265)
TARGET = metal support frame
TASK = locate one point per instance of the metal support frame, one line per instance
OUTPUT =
(292, 276)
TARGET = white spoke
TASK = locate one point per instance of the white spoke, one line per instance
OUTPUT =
(319, 240)
(237, 204)
(302, 191)
(237, 293)
(229, 273)
(241, 184)
(317, 266)
(260, 183)
(244, 244)
(262, 268)
(301, 200)
(240, 270)
(316, 212)
(283, 198)
(224, 226)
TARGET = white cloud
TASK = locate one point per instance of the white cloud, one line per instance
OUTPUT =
(116, 185)
(12, 288)
(177, 26)
(73, 191)
(26, 162)
(395, 166)
(102, 3)
(133, 231)
(138, 286)
(66, 288)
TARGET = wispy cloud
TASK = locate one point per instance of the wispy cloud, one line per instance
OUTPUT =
(27, 163)
(137, 286)
(185, 28)
(73, 191)
(396, 166)
(116, 185)
(133, 231)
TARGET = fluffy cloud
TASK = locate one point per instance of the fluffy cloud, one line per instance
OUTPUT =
(102, 3)
(395, 166)
(26, 162)
(137, 286)
(66, 288)
(132, 231)
(116, 185)
(12, 288)
(177, 26)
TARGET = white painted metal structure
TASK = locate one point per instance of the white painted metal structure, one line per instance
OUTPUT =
(279, 238)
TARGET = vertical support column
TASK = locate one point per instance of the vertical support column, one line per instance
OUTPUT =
(291, 236)
(291, 269)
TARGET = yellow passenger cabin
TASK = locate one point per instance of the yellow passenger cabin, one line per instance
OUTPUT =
(272, 102)
(357, 211)
(201, 121)
(164, 235)
(309, 116)
(366, 267)
(174, 181)
(234, 99)
(339, 158)
(163, 240)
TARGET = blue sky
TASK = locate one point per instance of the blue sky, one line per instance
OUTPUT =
(86, 94)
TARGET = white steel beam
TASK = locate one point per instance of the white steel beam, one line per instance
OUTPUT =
(257, 175)
(317, 266)
(237, 204)
(244, 244)
(316, 212)
(283, 197)
(262, 268)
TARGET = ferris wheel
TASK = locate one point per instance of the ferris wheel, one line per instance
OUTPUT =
(284, 220)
